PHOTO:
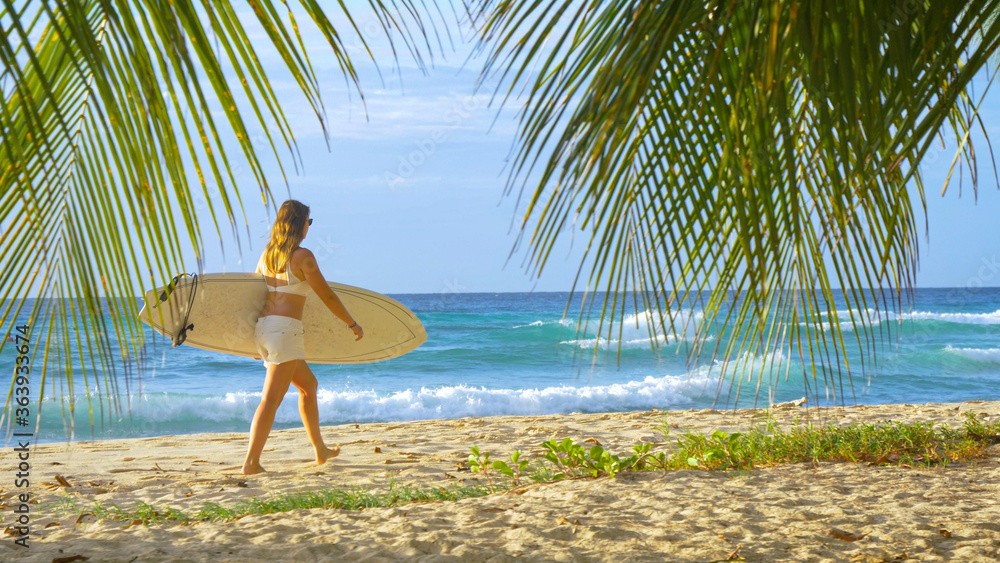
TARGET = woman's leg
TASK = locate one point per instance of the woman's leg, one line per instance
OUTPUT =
(305, 382)
(275, 385)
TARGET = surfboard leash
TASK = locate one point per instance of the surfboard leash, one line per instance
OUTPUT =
(181, 336)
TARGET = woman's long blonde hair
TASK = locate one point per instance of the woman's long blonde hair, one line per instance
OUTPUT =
(287, 233)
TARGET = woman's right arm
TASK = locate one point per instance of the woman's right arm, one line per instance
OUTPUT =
(318, 283)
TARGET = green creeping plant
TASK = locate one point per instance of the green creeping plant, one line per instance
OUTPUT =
(516, 468)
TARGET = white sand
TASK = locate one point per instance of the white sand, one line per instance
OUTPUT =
(776, 514)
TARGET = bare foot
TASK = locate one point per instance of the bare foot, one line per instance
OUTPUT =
(326, 454)
(251, 469)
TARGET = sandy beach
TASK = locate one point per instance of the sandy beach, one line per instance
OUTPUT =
(780, 513)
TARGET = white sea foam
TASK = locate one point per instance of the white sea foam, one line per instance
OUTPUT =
(845, 326)
(456, 401)
(745, 365)
(635, 327)
(846, 313)
(605, 344)
(960, 318)
(635, 343)
(563, 322)
(990, 355)
(747, 370)
(876, 317)
(461, 400)
(633, 330)
(426, 403)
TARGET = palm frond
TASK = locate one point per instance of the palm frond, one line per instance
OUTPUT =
(109, 131)
(749, 158)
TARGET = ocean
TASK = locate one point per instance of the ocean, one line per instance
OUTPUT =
(516, 354)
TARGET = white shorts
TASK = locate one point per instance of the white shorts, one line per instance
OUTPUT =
(279, 339)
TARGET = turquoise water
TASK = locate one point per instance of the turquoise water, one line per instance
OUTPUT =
(515, 354)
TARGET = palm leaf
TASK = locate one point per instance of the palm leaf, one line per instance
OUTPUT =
(109, 132)
(747, 158)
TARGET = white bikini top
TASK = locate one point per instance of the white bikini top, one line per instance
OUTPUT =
(293, 284)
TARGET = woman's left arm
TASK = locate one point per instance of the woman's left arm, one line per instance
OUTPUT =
(318, 283)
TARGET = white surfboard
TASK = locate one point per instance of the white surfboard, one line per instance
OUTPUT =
(220, 312)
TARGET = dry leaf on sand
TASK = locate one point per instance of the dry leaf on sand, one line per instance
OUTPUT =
(845, 536)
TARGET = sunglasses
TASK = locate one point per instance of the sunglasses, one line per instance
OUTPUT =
(310, 221)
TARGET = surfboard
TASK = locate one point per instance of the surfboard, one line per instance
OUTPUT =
(218, 312)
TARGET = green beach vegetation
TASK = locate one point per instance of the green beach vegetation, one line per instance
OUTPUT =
(916, 444)
(352, 498)
(924, 445)
(749, 157)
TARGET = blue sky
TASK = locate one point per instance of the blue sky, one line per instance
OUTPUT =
(411, 200)
(962, 245)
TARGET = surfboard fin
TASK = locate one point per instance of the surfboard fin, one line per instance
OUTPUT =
(182, 335)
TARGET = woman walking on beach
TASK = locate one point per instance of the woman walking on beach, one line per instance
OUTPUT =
(279, 332)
